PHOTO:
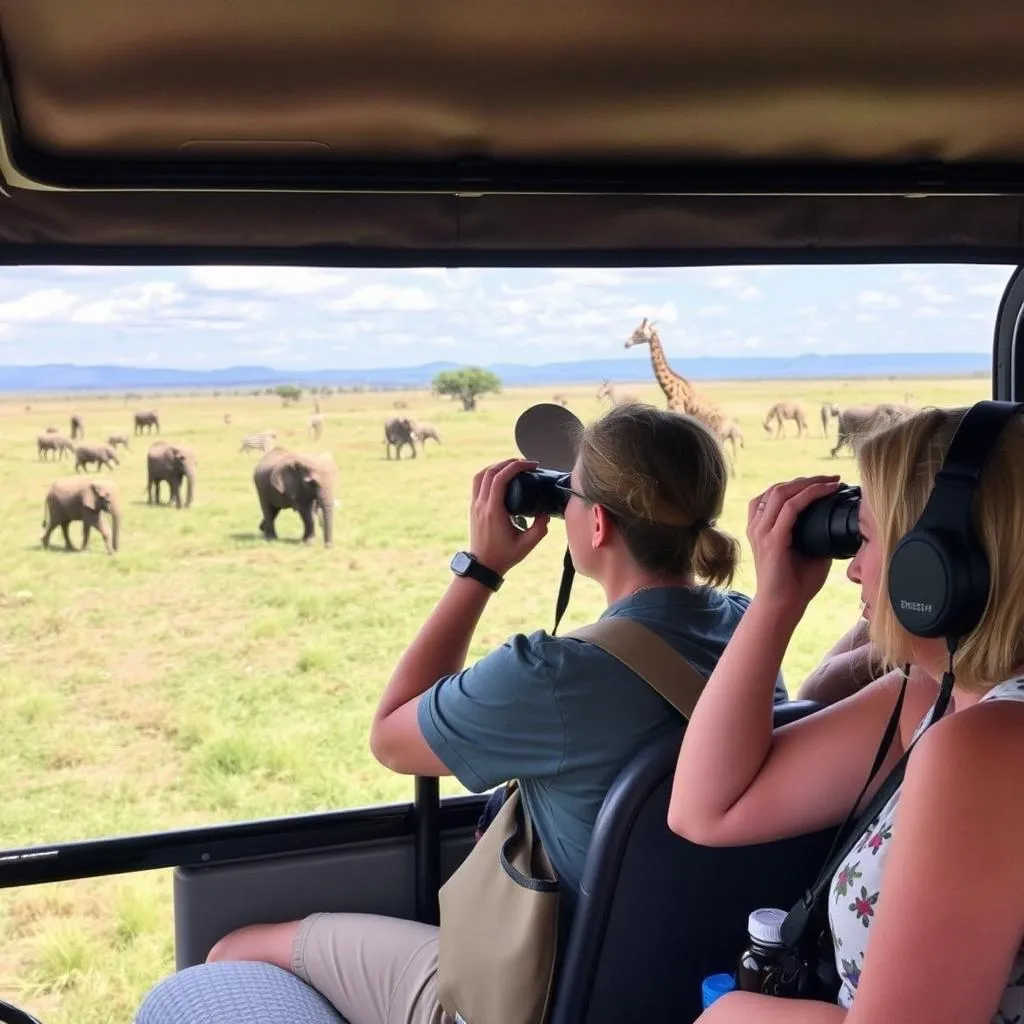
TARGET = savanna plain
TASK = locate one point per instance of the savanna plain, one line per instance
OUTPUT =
(202, 675)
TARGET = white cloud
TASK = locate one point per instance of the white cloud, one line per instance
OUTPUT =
(879, 300)
(993, 289)
(926, 313)
(376, 297)
(134, 303)
(711, 311)
(930, 293)
(268, 280)
(45, 304)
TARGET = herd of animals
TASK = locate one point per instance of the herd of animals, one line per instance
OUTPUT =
(681, 395)
(285, 479)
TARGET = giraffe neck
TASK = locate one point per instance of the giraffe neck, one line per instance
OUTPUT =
(671, 383)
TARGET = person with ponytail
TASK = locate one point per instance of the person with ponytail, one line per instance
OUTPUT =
(559, 714)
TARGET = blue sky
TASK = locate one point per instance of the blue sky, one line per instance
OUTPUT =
(211, 317)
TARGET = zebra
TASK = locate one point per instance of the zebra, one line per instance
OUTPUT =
(259, 442)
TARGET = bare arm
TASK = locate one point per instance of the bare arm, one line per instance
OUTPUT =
(440, 649)
(738, 782)
(441, 646)
(842, 672)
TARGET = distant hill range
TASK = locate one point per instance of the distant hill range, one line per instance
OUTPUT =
(66, 377)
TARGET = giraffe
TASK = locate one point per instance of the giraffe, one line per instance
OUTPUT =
(682, 396)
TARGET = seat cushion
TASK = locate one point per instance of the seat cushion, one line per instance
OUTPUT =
(235, 993)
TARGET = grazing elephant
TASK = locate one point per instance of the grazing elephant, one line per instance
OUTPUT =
(422, 431)
(82, 499)
(398, 431)
(286, 479)
(782, 411)
(828, 410)
(52, 430)
(118, 439)
(146, 422)
(858, 421)
(171, 463)
(77, 427)
(56, 444)
(316, 426)
(102, 454)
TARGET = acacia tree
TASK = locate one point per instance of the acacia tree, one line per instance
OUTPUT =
(466, 385)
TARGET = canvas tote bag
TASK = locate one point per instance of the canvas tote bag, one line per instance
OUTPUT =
(497, 948)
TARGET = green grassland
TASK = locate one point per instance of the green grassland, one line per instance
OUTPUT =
(202, 675)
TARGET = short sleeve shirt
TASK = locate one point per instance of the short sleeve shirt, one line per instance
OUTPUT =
(564, 717)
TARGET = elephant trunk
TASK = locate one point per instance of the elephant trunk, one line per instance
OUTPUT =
(190, 478)
(115, 527)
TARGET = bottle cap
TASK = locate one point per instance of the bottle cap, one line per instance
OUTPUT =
(765, 925)
(714, 986)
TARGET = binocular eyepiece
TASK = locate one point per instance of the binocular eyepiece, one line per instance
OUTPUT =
(827, 528)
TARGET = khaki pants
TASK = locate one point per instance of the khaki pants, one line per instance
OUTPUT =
(373, 969)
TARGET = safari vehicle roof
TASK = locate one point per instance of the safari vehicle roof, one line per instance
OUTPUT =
(581, 131)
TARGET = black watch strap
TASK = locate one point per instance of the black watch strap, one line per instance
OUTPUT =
(466, 564)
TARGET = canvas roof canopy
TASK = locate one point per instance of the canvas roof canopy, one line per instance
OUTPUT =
(580, 131)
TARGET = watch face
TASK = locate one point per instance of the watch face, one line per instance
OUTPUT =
(461, 563)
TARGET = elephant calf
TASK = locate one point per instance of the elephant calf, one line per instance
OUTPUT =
(422, 431)
(102, 454)
(285, 479)
(119, 439)
(172, 463)
(76, 499)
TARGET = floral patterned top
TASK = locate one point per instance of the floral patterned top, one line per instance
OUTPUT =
(856, 886)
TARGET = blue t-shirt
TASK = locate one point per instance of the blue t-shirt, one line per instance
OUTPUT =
(564, 717)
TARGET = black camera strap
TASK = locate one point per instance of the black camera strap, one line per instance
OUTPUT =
(810, 906)
(564, 589)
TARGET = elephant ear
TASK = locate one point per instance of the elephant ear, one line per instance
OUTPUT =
(91, 497)
(282, 477)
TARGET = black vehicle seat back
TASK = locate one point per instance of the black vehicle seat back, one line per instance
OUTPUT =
(656, 913)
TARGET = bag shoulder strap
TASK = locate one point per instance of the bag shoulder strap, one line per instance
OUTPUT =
(650, 656)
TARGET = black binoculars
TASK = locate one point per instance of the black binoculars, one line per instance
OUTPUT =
(827, 528)
(537, 492)
(830, 526)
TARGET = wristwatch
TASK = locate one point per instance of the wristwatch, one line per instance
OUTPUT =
(466, 564)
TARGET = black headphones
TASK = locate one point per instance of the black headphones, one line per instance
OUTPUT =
(939, 575)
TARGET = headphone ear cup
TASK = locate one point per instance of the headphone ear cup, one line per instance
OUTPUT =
(938, 586)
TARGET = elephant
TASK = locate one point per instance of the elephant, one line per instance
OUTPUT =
(398, 431)
(172, 463)
(286, 479)
(52, 430)
(860, 420)
(81, 498)
(77, 427)
(56, 444)
(422, 431)
(118, 439)
(782, 411)
(101, 454)
(146, 421)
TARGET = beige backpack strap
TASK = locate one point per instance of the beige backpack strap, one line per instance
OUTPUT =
(655, 660)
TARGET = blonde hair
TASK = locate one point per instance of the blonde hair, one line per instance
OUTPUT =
(898, 465)
(662, 476)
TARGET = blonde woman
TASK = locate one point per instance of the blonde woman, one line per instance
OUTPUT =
(927, 912)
